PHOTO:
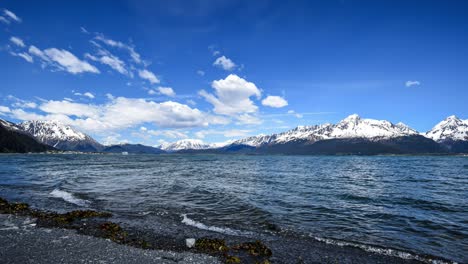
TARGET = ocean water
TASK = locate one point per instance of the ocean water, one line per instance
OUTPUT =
(415, 204)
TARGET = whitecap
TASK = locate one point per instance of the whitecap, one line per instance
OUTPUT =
(383, 251)
(69, 197)
(223, 230)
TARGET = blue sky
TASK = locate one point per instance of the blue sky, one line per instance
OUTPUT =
(156, 71)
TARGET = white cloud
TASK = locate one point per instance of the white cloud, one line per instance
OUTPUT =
(89, 95)
(11, 16)
(37, 52)
(201, 73)
(412, 83)
(168, 91)
(274, 101)
(133, 54)
(226, 133)
(115, 63)
(4, 109)
(298, 115)
(168, 133)
(70, 109)
(21, 103)
(17, 41)
(25, 104)
(114, 139)
(63, 60)
(83, 30)
(248, 119)
(149, 76)
(152, 92)
(225, 63)
(86, 94)
(232, 96)
(69, 62)
(120, 113)
(23, 55)
(4, 20)
(91, 57)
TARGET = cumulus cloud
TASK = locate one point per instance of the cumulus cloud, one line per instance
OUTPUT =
(17, 41)
(4, 109)
(274, 101)
(62, 60)
(232, 96)
(168, 91)
(412, 83)
(10, 16)
(149, 76)
(120, 113)
(225, 63)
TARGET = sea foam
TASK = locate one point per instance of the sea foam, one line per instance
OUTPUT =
(69, 197)
(223, 230)
(383, 251)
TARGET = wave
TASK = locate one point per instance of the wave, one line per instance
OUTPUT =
(69, 197)
(223, 230)
(384, 251)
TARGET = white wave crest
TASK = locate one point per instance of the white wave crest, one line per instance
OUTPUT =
(223, 230)
(69, 197)
(383, 251)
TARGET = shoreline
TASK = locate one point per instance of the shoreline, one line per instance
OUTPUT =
(111, 232)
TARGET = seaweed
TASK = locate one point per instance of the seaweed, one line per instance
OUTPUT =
(257, 249)
(247, 252)
(211, 245)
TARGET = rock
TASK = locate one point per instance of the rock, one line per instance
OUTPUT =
(190, 242)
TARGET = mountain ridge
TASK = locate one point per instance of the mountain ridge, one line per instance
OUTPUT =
(353, 134)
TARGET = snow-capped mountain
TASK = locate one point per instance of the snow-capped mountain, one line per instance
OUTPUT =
(451, 128)
(185, 144)
(9, 125)
(12, 139)
(351, 127)
(60, 136)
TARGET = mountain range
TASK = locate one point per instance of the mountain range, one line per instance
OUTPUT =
(352, 135)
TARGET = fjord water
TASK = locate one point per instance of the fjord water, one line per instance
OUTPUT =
(412, 203)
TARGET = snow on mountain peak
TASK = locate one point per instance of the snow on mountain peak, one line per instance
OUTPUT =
(352, 118)
(355, 127)
(451, 128)
(352, 126)
(51, 130)
(185, 144)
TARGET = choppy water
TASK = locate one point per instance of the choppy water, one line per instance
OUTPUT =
(416, 204)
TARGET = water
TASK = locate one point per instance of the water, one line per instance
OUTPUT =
(415, 204)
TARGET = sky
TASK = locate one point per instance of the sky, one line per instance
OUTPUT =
(159, 71)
